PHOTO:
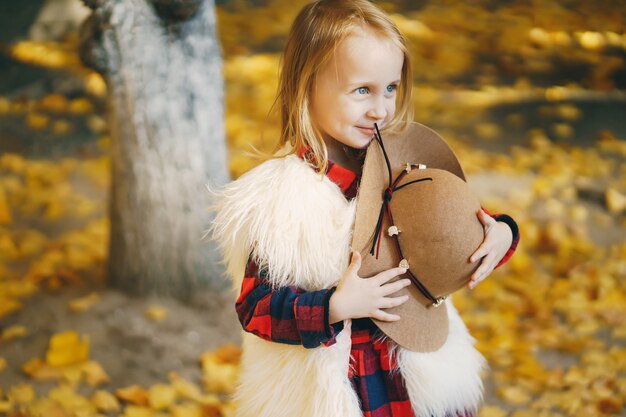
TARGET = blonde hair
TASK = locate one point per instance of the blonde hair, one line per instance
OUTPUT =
(313, 38)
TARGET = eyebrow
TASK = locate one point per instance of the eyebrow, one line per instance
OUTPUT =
(367, 83)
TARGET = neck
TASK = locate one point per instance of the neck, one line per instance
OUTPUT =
(345, 156)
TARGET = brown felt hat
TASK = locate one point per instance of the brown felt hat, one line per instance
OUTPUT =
(424, 215)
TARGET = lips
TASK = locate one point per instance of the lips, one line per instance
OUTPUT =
(367, 130)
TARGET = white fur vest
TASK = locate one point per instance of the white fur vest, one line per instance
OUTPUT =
(298, 225)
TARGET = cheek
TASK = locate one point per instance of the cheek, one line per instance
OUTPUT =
(348, 110)
(391, 109)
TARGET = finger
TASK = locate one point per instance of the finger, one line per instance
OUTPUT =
(384, 316)
(482, 272)
(395, 286)
(391, 302)
(482, 250)
(385, 276)
(485, 219)
(484, 265)
(472, 284)
(475, 280)
(355, 261)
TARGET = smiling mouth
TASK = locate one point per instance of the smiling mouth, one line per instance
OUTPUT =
(367, 130)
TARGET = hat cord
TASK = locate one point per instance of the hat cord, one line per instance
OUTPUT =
(385, 209)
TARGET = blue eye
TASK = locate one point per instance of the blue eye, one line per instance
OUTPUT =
(391, 88)
(362, 90)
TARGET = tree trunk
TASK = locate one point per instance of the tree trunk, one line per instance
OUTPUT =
(166, 107)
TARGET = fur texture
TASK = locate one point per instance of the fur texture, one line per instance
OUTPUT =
(275, 212)
(299, 226)
(447, 379)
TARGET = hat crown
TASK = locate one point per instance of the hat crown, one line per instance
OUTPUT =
(439, 228)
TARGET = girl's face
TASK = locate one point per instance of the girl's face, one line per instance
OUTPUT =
(356, 89)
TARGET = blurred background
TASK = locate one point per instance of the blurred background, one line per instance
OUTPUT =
(530, 94)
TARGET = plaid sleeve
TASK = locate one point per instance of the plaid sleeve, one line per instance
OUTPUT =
(514, 229)
(286, 314)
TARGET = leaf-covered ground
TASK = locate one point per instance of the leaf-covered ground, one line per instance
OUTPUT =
(531, 96)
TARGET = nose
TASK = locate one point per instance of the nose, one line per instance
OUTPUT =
(377, 109)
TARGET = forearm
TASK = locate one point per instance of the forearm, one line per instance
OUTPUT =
(286, 314)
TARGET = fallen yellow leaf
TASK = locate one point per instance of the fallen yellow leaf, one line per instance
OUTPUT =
(492, 411)
(8, 306)
(219, 377)
(95, 84)
(54, 102)
(140, 411)
(61, 127)
(13, 332)
(514, 394)
(609, 406)
(37, 369)
(161, 396)
(95, 374)
(230, 353)
(96, 124)
(5, 105)
(80, 106)
(227, 409)
(5, 211)
(67, 348)
(21, 394)
(54, 210)
(615, 201)
(156, 313)
(37, 121)
(185, 388)
(71, 373)
(105, 401)
(187, 410)
(133, 394)
(524, 413)
(46, 407)
(8, 249)
(71, 401)
(31, 243)
(211, 410)
(6, 406)
(81, 304)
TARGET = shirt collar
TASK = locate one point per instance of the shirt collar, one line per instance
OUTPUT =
(345, 179)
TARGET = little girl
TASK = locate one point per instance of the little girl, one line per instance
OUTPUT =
(309, 347)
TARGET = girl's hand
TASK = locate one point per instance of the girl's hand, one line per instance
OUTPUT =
(358, 297)
(498, 239)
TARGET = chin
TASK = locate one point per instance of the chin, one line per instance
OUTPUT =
(358, 142)
(362, 144)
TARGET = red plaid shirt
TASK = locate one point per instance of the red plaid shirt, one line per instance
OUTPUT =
(293, 316)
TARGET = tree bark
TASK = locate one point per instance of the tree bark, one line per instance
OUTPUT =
(168, 142)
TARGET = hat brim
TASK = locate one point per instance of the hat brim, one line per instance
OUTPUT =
(423, 327)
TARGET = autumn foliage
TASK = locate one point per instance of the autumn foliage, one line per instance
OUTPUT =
(552, 323)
